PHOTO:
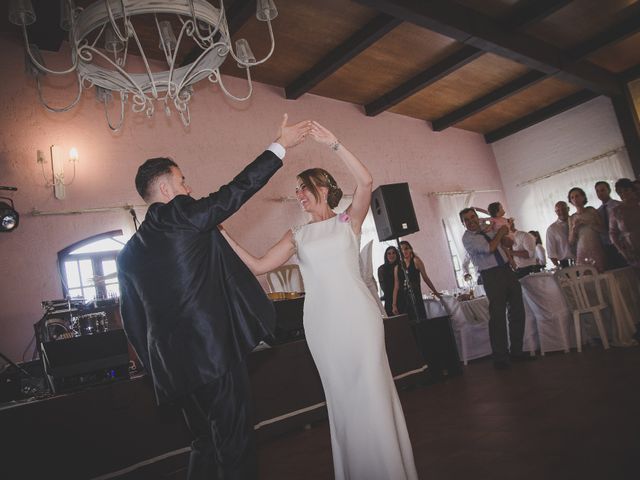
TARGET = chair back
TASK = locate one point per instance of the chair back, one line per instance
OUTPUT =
(581, 287)
(286, 278)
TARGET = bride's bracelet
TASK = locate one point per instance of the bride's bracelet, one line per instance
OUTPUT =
(335, 146)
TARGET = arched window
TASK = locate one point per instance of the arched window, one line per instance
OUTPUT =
(88, 267)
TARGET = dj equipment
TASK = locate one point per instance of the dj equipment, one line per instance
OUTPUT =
(288, 320)
(73, 363)
(393, 211)
(23, 380)
(90, 323)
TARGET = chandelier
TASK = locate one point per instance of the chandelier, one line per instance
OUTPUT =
(100, 37)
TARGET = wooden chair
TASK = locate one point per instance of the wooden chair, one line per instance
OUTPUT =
(286, 278)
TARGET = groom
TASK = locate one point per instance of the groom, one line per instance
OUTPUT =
(192, 310)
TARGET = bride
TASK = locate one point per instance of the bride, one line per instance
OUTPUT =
(343, 325)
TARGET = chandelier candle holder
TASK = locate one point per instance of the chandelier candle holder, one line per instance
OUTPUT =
(100, 37)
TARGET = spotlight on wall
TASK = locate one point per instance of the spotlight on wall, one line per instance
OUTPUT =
(57, 169)
(9, 218)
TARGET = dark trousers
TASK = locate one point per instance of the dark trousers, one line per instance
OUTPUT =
(614, 258)
(218, 416)
(503, 289)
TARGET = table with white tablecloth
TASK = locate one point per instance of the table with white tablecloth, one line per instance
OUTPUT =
(470, 323)
(545, 303)
(549, 323)
(621, 289)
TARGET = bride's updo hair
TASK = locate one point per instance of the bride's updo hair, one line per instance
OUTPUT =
(319, 177)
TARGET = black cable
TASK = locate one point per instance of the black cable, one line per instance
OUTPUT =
(135, 218)
(15, 365)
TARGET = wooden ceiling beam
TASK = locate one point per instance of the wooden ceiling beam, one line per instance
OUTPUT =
(239, 13)
(499, 94)
(629, 25)
(423, 79)
(540, 115)
(525, 14)
(630, 74)
(479, 31)
(355, 44)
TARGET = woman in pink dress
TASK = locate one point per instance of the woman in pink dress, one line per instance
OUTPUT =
(585, 227)
(624, 223)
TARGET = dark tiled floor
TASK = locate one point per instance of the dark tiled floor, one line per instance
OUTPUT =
(564, 416)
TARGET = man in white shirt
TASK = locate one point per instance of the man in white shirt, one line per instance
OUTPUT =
(558, 248)
(523, 251)
(603, 191)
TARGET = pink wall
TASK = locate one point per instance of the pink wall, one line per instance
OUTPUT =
(223, 137)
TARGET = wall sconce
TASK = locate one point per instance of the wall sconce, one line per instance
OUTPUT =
(57, 169)
(9, 218)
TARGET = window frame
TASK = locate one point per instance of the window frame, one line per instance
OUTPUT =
(96, 258)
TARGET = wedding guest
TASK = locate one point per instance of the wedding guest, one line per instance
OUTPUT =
(624, 224)
(523, 251)
(402, 303)
(497, 213)
(192, 310)
(386, 278)
(415, 269)
(541, 254)
(585, 227)
(501, 286)
(613, 257)
(558, 248)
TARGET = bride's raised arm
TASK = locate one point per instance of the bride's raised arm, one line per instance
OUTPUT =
(362, 195)
(275, 256)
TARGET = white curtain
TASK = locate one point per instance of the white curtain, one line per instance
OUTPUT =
(450, 206)
(543, 194)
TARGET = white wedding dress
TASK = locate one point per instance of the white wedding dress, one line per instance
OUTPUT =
(345, 333)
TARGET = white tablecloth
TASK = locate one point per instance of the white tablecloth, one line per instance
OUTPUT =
(621, 289)
(546, 305)
(470, 324)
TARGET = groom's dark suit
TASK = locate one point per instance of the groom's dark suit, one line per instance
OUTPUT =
(192, 310)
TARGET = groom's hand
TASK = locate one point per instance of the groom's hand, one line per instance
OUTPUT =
(291, 135)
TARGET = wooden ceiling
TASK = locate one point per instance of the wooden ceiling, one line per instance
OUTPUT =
(488, 66)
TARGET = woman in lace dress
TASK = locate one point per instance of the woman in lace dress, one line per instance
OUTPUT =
(585, 227)
(343, 325)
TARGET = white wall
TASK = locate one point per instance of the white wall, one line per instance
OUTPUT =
(579, 134)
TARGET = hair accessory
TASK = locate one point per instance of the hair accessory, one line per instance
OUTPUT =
(331, 183)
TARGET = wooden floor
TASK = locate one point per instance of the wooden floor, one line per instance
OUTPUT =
(564, 416)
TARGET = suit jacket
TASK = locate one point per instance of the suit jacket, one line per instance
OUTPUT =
(190, 307)
(606, 212)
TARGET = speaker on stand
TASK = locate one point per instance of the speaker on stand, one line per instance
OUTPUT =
(394, 216)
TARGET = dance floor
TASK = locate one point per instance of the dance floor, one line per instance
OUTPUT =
(564, 416)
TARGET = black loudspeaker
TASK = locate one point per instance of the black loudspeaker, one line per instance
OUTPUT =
(393, 211)
(77, 362)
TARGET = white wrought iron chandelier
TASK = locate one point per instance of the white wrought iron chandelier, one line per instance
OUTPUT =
(99, 37)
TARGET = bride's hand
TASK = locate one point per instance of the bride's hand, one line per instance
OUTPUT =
(322, 135)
